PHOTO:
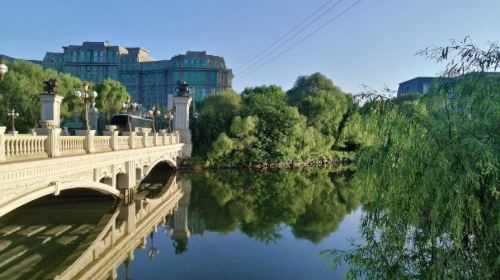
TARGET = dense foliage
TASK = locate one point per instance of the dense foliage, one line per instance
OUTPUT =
(24, 81)
(268, 130)
(325, 106)
(112, 95)
(432, 167)
(214, 117)
(266, 125)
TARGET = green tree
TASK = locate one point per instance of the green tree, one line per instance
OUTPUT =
(215, 115)
(24, 82)
(112, 94)
(20, 90)
(268, 130)
(326, 107)
(432, 169)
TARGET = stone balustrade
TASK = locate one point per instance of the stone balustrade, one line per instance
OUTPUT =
(70, 145)
(102, 143)
(24, 146)
(123, 142)
(29, 146)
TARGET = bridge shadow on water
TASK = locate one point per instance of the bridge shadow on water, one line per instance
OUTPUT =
(72, 235)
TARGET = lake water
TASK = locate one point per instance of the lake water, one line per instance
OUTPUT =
(215, 225)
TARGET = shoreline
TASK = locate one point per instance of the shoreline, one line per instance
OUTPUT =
(200, 165)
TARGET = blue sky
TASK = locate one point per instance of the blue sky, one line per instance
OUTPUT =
(373, 43)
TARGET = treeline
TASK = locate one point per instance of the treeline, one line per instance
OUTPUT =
(265, 125)
(24, 81)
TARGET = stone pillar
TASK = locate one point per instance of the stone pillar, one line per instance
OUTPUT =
(181, 229)
(163, 137)
(131, 136)
(2, 143)
(145, 139)
(155, 139)
(113, 142)
(51, 110)
(53, 144)
(89, 141)
(127, 214)
(182, 104)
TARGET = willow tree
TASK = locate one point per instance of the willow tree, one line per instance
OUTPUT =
(433, 172)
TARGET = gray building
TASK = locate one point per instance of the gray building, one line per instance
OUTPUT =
(416, 85)
(149, 81)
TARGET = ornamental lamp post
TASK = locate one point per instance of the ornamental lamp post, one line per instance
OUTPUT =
(3, 71)
(13, 115)
(169, 116)
(153, 113)
(86, 97)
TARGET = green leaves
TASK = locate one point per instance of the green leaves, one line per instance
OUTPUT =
(21, 87)
(112, 94)
(267, 129)
(432, 167)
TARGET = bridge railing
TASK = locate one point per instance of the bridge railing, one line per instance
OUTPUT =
(102, 143)
(24, 146)
(71, 145)
(32, 146)
(122, 142)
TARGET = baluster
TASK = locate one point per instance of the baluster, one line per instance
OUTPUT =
(28, 146)
(21, 150)
(24, 147)
(7, 147)
(12, 147)
(16, 147)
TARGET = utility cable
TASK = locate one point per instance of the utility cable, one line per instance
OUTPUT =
(274, 50)
(284, 36)
(302, 40)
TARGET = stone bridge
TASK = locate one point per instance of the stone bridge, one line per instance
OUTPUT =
(113, 164)
(33, 166)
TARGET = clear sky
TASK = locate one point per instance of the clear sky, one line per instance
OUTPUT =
(373, 43)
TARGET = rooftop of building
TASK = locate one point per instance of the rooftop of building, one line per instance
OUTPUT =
(419, 78)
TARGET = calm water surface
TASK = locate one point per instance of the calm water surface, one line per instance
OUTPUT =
(223, 225)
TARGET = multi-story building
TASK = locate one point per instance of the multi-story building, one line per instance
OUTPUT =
(416, 85)
(149, 81)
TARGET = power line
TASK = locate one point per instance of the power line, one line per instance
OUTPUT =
(301, 40)
(284, 36)
(291, 37)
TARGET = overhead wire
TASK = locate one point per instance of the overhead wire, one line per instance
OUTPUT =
(285, 35)
(301, 40)
(275, 49)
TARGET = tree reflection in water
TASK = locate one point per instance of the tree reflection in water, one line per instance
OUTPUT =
(311, 201)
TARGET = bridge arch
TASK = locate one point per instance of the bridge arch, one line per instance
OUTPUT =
(55, 189)
(167, 160)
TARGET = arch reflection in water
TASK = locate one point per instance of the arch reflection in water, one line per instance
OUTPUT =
(82, 237)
